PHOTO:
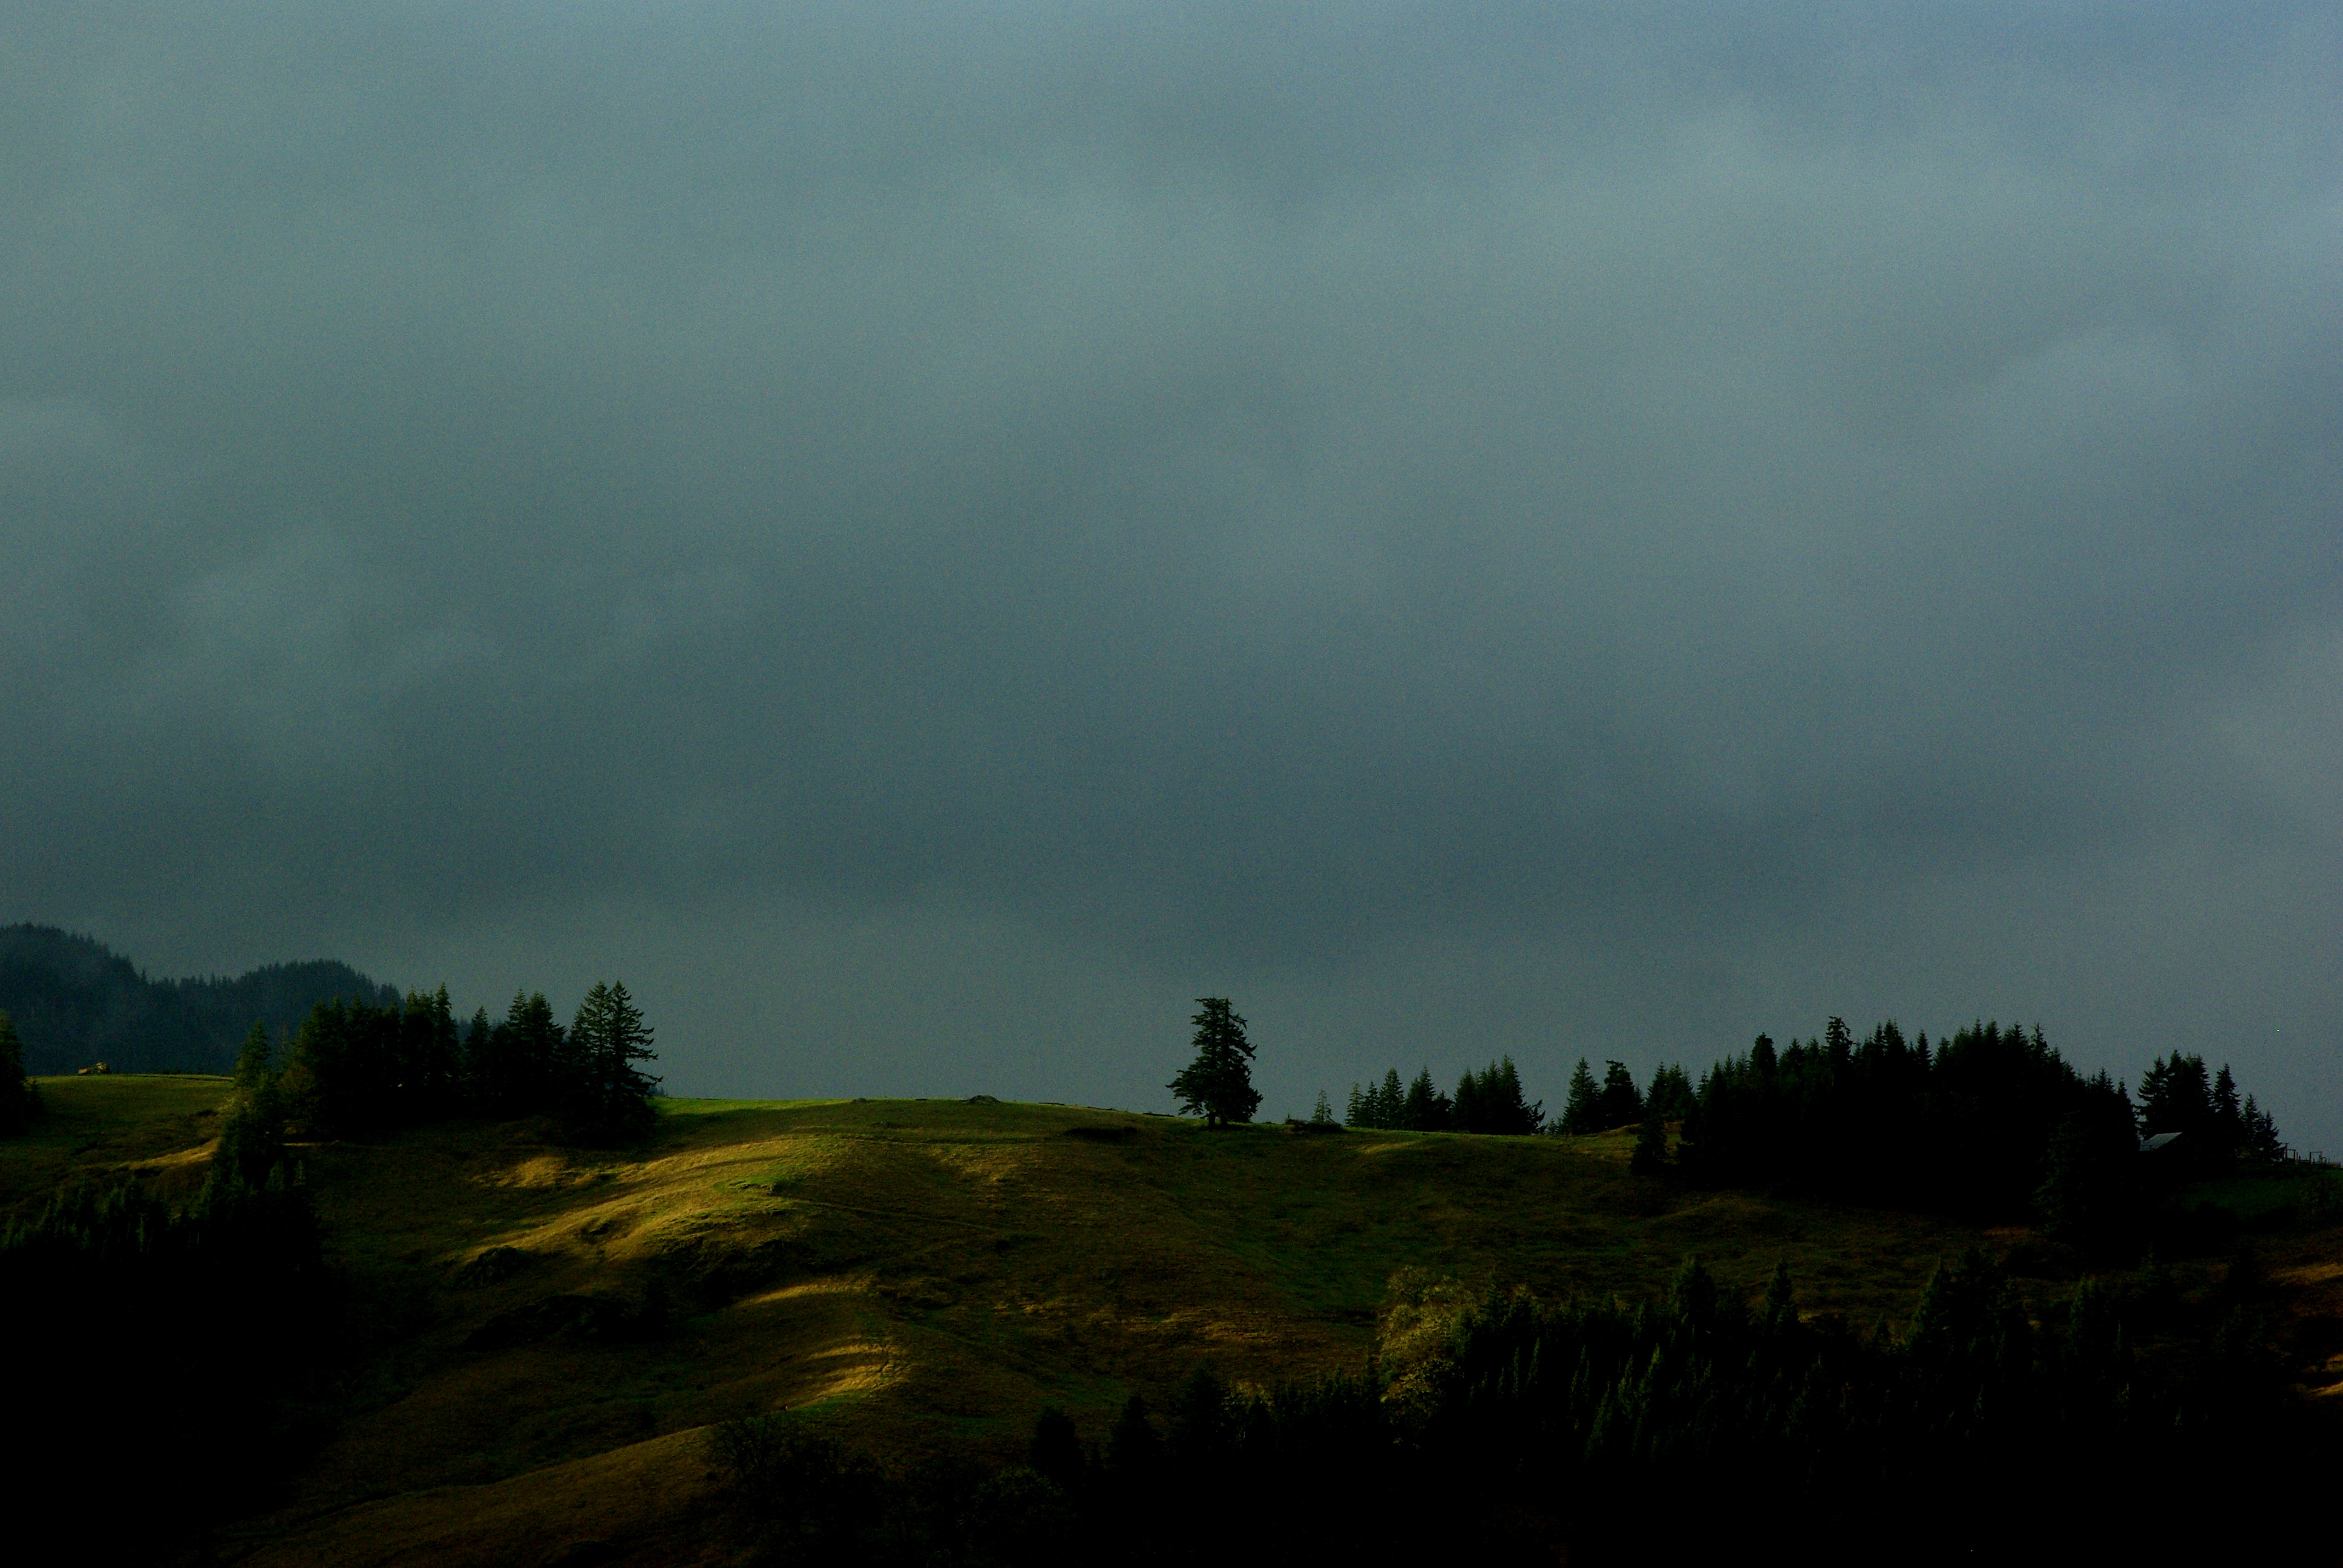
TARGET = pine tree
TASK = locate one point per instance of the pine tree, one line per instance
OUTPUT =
(1670, 1093)
(610, 1095)
(1515, 1114)
(524, 1070)
(1390, 1100)
(2227, 1120)
(1135, 1450)
(2261, 1139)
(1218, 1083)
(252, 1061)
(1056, 1449)
(2090, 1195)
(252, 1133)
(1356, 1114)
(1622, 1103)
(1651, 1156)
(1426, 1105)
(1581, 1112)
(1465, 1111)
(1322, 1114)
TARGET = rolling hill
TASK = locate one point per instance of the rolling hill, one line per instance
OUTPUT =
(554, 1329)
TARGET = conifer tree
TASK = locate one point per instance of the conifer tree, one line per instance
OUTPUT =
(521, 1071)
(252, 1133)
(2090, 1195)
(1650, 1155)
(2227, 1122)
(1622, 1103)
(1517, 1114)
(1322, 1114)
(1056, 1449)
(1581, 1113)
(2261, 1139)
(610, 1094)
(1219, 1082)
(1670, 1093)
(1465, 1115)
(252, 1060)
(1429, 1110)
(1134, 1449)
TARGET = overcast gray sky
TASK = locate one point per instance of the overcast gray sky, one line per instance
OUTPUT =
(925, 536)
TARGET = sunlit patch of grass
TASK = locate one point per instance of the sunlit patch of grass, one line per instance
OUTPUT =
(922, 1274)
(105, 1127)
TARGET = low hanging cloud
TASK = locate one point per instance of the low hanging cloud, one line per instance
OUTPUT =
(1494, 529)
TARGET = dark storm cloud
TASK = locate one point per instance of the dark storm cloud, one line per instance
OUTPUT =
(1232, 490)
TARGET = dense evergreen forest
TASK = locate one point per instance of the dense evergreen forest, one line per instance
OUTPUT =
(1490, 1102)
(1987, 1123)
(216, 1329)
(1509, 1430)
(76, 1002)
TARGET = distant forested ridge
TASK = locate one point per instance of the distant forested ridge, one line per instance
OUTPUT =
(75, 1001)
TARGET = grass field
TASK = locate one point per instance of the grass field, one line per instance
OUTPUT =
(922, 1274)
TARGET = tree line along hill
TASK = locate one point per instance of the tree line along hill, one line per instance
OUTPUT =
(76, 1002)
(821, 1332)
(1988, 1123)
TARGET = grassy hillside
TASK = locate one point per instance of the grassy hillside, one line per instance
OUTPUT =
(924, 1276)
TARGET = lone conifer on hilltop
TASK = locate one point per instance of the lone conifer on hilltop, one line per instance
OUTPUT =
(1218, 1083)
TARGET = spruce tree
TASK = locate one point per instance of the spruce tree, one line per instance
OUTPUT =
(1651, 1156)
(2226, 1123)
(1135, 1450)
(1514, 1112)
(2090, 1196)
(252, 1060)
(1465, 1111)
(2262, 1144)
(610, 1094)
(1056, 1449)
(526, 1072)
(252, 1133)
(1429, 1110)
(1621, 1101)
(480, 1049)
(1670, 1093)
(1582, 1111)
(1219, 1082)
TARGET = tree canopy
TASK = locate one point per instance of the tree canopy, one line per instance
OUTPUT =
(1218, 1084)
